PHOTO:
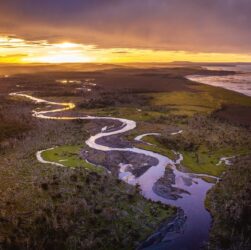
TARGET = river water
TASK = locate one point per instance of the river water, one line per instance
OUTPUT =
(194, 232)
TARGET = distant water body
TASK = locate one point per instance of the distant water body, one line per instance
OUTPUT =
(240, 82)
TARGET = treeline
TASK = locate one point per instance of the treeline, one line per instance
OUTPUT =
(111, 99)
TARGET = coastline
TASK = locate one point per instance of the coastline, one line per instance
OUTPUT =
(228, 81)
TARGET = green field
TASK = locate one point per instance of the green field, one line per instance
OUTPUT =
(205, 161)
(68, 156)
(204, 99)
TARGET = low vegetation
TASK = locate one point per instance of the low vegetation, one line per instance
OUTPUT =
(106, 99)
(205, 140)
(68, 156)
(82, 207)
(203, 99)
(76, 209)
(230, 203)
(13, 124)
(155, 146)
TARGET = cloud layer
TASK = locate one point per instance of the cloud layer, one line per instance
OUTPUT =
(188, 25)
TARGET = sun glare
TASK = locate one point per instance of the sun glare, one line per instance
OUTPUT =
(17, 50)
(66, 45)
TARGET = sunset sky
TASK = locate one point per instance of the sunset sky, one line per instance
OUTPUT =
(59, 31)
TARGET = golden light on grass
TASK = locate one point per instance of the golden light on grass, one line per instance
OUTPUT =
(17, 50)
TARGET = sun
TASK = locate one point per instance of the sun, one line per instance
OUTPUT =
(64, 52)
(66, 45)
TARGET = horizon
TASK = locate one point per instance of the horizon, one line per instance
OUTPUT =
(124, 32)
(19, 51)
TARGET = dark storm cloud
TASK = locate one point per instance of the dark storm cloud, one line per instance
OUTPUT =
(192, 25)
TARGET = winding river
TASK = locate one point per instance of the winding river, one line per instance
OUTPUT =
(194, 232)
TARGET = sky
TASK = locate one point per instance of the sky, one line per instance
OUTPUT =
(125, 31)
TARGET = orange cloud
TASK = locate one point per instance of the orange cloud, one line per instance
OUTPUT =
(17, 50)
(219, 26)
